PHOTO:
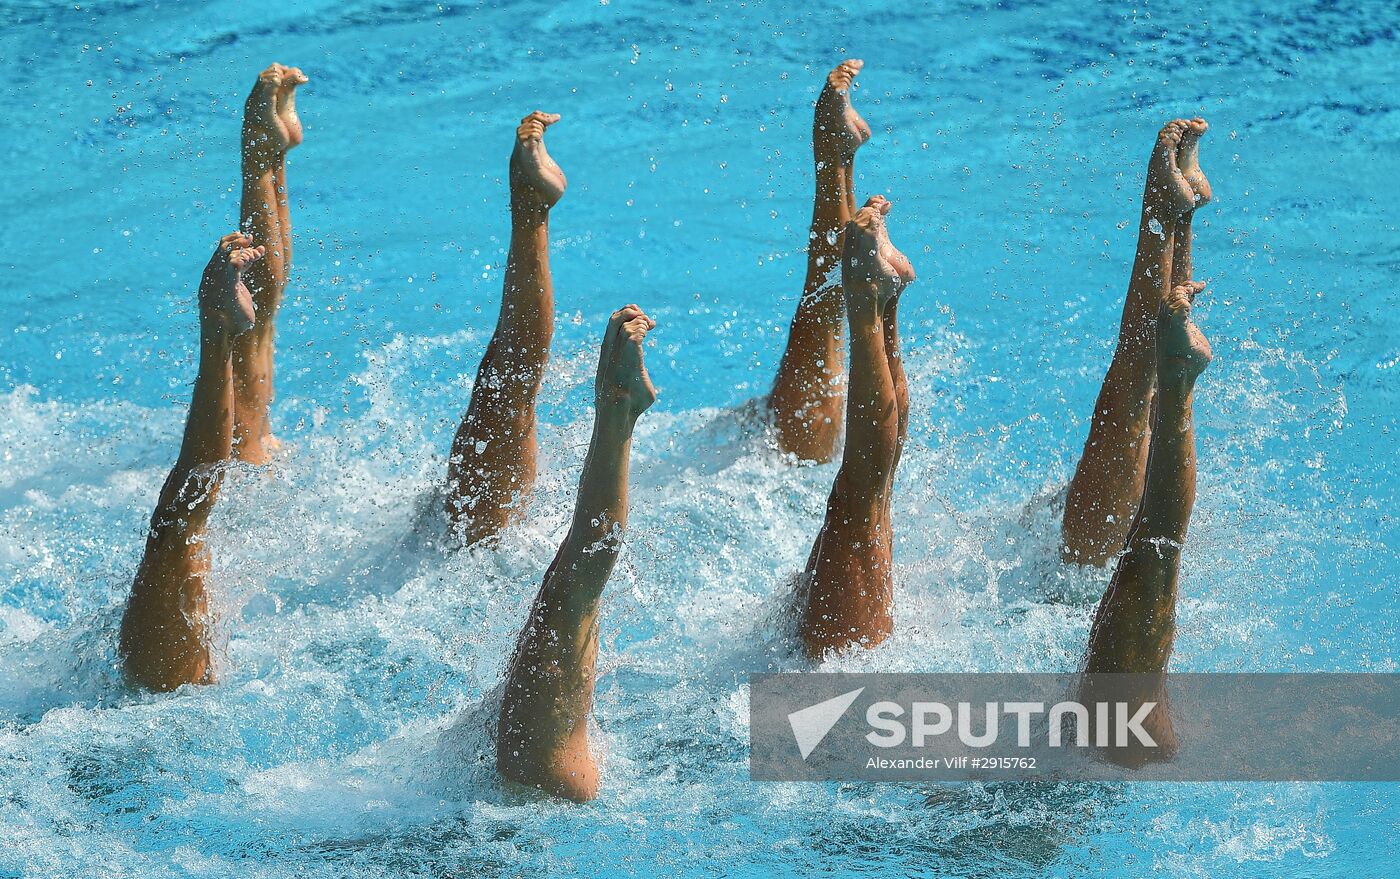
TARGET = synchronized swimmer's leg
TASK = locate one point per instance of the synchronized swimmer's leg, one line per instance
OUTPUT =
(542, 735)
(808, 395)
(1107, 484)
(845, 596)
(163, 638)
(1136, 620)
(492, 464)
(895, 362)
(271, 127)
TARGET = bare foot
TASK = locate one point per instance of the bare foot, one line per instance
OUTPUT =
(287, 104)
(535, 178)
(869, 254)
(1182, 350)
(623, 384)
(1190, 164)
(837, 129)
(1168, 194)
(270, 122)
(225, 304)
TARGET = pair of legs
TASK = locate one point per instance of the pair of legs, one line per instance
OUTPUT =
(271, 127)
(163, 632)
(846, 593)
(163, 637)
(491, 468)
(1107, 486)
(1160, 354)
(542, 731)
(1135, 623)
(808, 392)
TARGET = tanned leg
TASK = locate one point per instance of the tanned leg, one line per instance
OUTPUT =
(163, 639)
(492, 465)
(895, 361)
(1107, 484)
(847, 590)
(542, 735)
(807, 394)
(1136, 620)
(271, 127)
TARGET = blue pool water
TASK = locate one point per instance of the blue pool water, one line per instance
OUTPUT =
(344, 738)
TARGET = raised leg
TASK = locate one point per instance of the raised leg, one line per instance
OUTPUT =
(1107, 484)
(846, 592)
(163, 640)
(492, 465)
(1135, 624)
(542, 735)
(271, 127)
(894, 360)
(808, 392)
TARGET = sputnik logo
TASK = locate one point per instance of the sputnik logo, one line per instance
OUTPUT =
(810, 725)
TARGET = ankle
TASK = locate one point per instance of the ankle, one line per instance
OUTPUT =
(259, 160)
(863, 305)
(1158, 221)
(831, 158)
(215, 338)
(615, 417)
(1176, 379)
(527, 210)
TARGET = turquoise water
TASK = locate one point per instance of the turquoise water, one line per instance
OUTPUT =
(360, 656)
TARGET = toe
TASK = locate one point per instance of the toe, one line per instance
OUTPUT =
(538, 121)
(841, 75)
(532, 126)
(1179, 300)
(879, 203)
(264, 92)
(622, 316)
(246, 256)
